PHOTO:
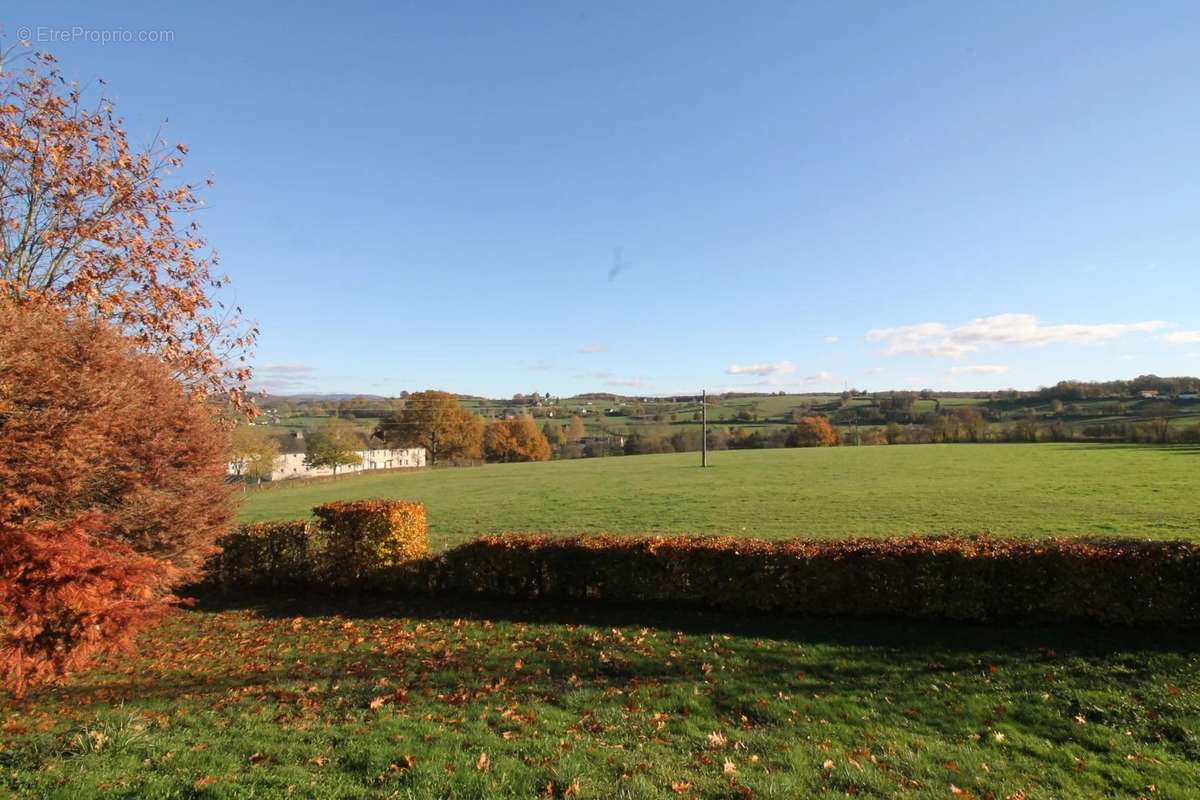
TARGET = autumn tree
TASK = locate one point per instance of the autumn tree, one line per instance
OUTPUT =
(575, 429)
(1160, 414)
(253, 452)
(554, 434)
(101, 227)
(435, 420)
(812, 432)
(335, 444)
(112, 488)
(515, 439)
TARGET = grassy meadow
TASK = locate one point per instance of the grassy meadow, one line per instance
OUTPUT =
(1010, 489)
(359, 697)
(437, 699)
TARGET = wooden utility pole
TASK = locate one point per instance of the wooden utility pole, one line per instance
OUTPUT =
(703, 427)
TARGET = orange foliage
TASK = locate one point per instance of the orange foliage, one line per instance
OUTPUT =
(434, 420)
(516, 439)
(92, 429)
(813, 432)
(91, 223)
(92, 425)
(67, 595)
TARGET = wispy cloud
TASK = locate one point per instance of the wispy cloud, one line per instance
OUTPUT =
(614, 380)
(988, 333)
(282, 378)
(591, 349)
(977, 369)
(284, 369)
(820, 377)
(1181, 337)
(769, 370)
(831, 340)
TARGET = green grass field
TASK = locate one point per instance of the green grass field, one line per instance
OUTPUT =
(1018, 489)
(438, 700)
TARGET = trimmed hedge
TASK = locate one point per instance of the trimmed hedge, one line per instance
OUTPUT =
(363, 536)
(264, 555)
(970, 578)
(980, 578)
(349, 542)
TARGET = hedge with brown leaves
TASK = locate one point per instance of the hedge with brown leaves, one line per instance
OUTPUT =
(978, 578)
(971, 578)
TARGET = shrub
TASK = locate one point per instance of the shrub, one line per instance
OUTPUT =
(265, 555)
(67, 595)
(112, 486)
(361, 536)
(91, 424)
(977, 578)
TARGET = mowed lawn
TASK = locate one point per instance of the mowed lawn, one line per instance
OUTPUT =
(444, 700)
(1017, 489)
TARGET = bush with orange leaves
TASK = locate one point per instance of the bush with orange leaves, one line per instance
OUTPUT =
(68, 594)
(359, 537)
(112, 488)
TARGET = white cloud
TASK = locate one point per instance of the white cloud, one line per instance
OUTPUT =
(875, 370)
(978, 369)
(820, 377)
(283, 369)
(988, 333)
(830, 340)
(590, 349)
(282, 378)
(1182, 337)
(763, 370)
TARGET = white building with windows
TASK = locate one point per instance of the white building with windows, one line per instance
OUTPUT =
(374, 455)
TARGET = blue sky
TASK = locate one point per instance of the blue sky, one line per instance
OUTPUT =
(889, 195)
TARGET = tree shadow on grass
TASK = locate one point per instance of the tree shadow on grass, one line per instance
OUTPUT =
(947, 636)
(930, 680)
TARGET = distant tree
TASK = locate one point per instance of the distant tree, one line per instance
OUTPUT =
(516, 439)
(812, 432)
(892, 433)
(335, 444)
(554, 434)
(254, 452)
(969, 424)
(1160, 413)
(575, 429)
(435, 420)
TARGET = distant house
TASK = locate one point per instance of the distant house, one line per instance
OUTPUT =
(374, 455)
(1148, 393)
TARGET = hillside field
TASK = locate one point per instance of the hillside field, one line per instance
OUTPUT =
(1010, 489)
